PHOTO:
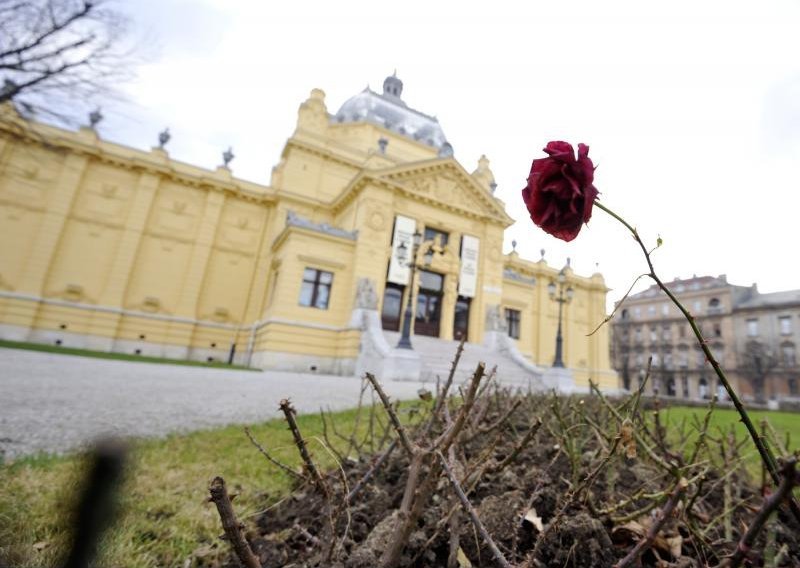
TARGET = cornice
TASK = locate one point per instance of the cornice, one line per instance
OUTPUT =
(87, 144)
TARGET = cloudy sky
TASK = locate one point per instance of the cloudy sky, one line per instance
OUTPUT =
(691, 109)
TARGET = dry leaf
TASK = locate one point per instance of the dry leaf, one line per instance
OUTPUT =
(627, 439)
(41, 545)
(463, 561)
(534, 519)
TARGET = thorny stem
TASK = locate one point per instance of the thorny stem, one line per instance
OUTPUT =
(790, 479)
(289, 412)
(647, 541)
(232, 527)
(401, 432)
(473, 515)
(766, 455)
(272, 460)
(374, 468)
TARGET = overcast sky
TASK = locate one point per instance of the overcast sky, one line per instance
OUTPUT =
(691, 109)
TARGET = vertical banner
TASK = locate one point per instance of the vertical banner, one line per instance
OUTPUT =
(404, 228)
(468, 277)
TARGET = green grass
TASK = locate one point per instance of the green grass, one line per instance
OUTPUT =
(784, 423)
(116, 356)
(165, 518)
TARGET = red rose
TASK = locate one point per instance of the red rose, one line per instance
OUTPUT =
(560, 194)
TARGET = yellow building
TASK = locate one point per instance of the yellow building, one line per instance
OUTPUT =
(111, 248)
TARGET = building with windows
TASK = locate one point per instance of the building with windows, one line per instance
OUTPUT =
(752, 336)
(112, 248)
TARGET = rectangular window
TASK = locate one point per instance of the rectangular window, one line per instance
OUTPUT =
(785, 324)
(437, 236)
(653, 335)
(637, 313)
(666, 333)
(752, 328)
(512, 322)
(316, 288)
(651, 311)
(789, 359)
(664, 309)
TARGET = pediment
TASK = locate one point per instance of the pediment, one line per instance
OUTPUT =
(447, 183)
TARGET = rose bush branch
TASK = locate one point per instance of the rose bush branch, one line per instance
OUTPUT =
(766, 454)
(559, 196)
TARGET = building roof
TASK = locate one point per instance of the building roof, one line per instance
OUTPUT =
(786, 297)
(390, 111)
(680, 286)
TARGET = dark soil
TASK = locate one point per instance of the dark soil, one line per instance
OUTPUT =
(519, 505)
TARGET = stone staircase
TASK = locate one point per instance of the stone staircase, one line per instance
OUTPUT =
(437, 356)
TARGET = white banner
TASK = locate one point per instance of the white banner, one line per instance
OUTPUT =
(404, 228)
(468, 278)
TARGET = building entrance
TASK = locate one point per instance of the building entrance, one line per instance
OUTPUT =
(392, 311)
(461, 319)
(429, 303)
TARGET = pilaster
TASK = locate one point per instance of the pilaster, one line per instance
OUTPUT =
(206, 234)
(448, 307)
(54, 219)
(106, 324)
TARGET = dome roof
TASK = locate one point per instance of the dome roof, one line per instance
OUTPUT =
(390, 111)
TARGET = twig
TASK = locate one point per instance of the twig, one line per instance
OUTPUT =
(339, 456)
(272, 460)
(534, 428)
(701, 438)
(763, 450)
(289, 412)
(647, 541)
(473, 515)
(450, 376)
(790, 479)
(232, 527)
(668, 467)
(499, 422)
(387, 405)
(372, 470)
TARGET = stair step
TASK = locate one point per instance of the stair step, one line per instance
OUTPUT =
(437, 356)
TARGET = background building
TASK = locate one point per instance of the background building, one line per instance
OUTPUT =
(112, 248)
(752, 335)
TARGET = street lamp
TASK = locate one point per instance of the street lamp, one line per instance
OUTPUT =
(562, 296)
(402, 257)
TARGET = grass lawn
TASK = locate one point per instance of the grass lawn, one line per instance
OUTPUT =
(117, 356)
(166, 519)
(785, 424)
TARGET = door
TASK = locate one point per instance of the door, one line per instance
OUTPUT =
(392, 311)
(461, 319)
(429, 303)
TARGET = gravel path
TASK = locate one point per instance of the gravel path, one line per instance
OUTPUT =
(58, 403)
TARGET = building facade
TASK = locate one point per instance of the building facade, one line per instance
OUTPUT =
(111, 248)
(751, 335)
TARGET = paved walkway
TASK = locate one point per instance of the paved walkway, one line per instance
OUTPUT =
(57, 403)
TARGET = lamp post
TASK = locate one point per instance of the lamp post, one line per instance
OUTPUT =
(559, 294)
(402, 257)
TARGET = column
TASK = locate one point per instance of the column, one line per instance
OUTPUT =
(448, 306)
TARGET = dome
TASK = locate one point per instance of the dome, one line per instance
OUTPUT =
(390, 111)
